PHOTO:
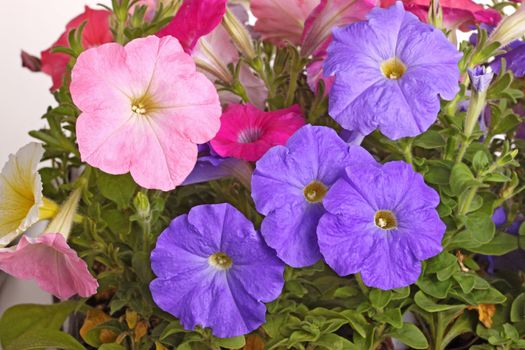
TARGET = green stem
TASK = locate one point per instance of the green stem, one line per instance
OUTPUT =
(407, 151)
(294, 74)
(439, 331)
(464, 207)
(361, 284)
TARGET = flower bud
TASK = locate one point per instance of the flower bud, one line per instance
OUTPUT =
(141, 203)
(510, 28)
(239, 34)
(63, 221)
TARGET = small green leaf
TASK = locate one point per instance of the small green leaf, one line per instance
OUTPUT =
(429, 305)
(410, 335)
(480, 226)
(117, 188)
(429, 140)
(461, 178)
(112, 346)
(380, 298)
(44, 339)
(393, 317)
(231, 343)
(517, 311)
(501, 244)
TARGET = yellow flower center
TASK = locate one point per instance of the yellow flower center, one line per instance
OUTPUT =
(315, 191)
(143, 105)
(385, 219)
(220, 261)
(393, 68)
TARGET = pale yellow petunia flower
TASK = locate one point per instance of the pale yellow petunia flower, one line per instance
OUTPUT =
(21, 200)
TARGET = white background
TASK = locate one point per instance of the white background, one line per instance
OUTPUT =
(31, 25)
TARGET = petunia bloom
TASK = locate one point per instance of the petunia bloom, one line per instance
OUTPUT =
(381, 221)
(144, 110)
(514, 59)
(193, 20)
(49, 260)
(96, 32)
(21, 200)
(457, 14)
(281, 21)
(214, 270)
(389, 72)
(247, 132)
(289, 185)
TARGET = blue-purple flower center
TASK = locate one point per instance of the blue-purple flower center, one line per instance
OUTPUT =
(249, 135)
(385, 220)
(315, 191)
(220, 261)
(393, 68)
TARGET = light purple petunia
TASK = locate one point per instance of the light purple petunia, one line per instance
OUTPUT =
(214, 270)
(289, 184)
(381, 221)
(389, 71)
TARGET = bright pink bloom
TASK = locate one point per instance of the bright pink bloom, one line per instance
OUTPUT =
(460, 14)
(50, 261)
(281, 21)
(95, 33)
(144, 110)
(194, 19)
(329, 14)
(247, 132)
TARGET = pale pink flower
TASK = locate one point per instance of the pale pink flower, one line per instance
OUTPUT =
(194, 19)
(281, 21)
(248, 133)
(144, 110)
(50, 261)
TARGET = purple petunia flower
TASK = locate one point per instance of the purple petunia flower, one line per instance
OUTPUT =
(381, 221)
(289, 184)
(214, 270)
(389, 71)
(514, 57)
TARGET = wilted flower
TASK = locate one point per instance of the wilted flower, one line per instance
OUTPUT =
(247, 132)
(96, 32)
(289, 185)
(214, 270)
(281, 22)
(193, 20)
(510, 28)
(144, 110)
(21, 200)
(389, 73)
(49, 260)
(457, 14)
(381, 221)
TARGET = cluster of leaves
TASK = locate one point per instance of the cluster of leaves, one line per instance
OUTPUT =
(455, 303)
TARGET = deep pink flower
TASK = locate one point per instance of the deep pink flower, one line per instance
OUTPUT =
(144, 110)
(460, 14)
(329, 14)
(50, 261)
(194, 19)
(247, 132)
(95, 33)
(281, 21)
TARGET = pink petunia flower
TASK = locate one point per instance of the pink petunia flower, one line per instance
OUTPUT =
(457, 14)
(247, 132)
(281, 21)
(96, 32)
(50, 261)
(144, 110)
(194, 19)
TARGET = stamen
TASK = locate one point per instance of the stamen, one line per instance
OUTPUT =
(315, 191)
(220, 261)
(138, 109)
(385, 219)
(393, 68)
(249, 135)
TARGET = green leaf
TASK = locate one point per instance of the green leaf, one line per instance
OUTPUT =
(517, 311)
(480, 226)
(480, 161)
(466, 281)
(335, 342)
(429, 305)
(231, 343)
(429, 140)
(410, 335)
(380, 298)
(461, 178)
(20, 319)
(44, 339)
(117, 188)
(393, 317)
(432, 286)
(141, 265)
(501, 244)
(112, 346)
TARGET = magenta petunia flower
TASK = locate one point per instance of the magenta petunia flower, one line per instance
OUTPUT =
(381, 221)
(193, 20)
(50, 261)
(389, 73)
(214, 270)
(247, 132)
(144, 110)
(281, 22)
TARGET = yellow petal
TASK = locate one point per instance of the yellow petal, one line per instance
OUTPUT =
(20, 192)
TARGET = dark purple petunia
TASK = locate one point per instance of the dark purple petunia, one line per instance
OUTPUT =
(389, 71)
(514, 57)
(381, 221)
(214, 270)
(289, 184)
